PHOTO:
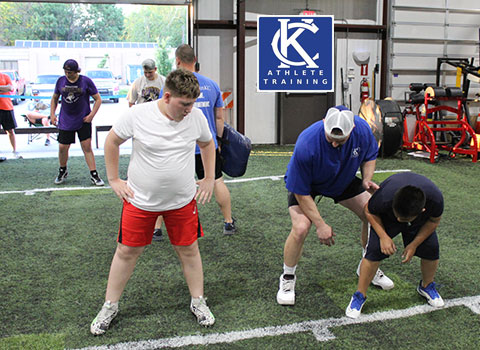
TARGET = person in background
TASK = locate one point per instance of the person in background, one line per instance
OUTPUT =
(147, 87)
(324, 163)
(75, 118)
(211, 103)
(160, 182)
(410, 204)
(7, 116)
(40, 114)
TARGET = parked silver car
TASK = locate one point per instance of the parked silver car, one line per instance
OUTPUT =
(105, 82)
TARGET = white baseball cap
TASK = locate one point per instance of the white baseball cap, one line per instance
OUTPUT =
(339, 119)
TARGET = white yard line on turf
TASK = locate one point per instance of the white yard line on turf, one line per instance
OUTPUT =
(273, 178)
(319, 328)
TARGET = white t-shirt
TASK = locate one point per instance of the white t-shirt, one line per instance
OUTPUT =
(144, 90)
(162, 164)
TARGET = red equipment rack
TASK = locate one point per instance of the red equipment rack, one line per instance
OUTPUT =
(425, 128)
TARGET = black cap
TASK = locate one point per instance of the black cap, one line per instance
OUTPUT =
(71, 65)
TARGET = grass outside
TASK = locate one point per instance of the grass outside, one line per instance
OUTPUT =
(56, 249)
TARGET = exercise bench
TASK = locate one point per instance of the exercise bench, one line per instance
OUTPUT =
(100, 128)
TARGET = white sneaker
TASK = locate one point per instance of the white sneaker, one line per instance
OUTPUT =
(286, 291)
(202, 312)
(380, 279)
(16, 155)
(101, 323)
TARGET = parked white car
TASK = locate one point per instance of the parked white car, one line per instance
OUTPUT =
(43, 85)
(105, 82)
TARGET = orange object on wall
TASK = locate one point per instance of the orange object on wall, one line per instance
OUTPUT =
(227, 97)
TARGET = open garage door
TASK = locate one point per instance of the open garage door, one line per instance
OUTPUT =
(143, 2)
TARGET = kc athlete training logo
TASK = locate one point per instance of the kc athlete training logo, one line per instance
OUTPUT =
(285, 41)
(295, 53)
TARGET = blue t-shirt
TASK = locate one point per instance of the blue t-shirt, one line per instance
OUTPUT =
(381, 202)
(317, 166)
(75, 101)
(209, 99)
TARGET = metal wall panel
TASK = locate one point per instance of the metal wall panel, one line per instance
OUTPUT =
(423, 31)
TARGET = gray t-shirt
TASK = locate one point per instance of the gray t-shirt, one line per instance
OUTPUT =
(144, 90)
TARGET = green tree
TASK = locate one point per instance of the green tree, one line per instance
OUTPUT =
(164, 63)
(56, 22)
(157, 23)
(13, 22)
(165, 25)
(104, 61)
(106, 23)
(53, 21)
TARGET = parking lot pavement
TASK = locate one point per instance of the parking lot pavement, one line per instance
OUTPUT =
(106, 115)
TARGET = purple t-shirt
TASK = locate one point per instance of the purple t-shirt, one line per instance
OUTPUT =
(75, 101)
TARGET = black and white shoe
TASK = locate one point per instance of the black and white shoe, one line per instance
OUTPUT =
(96, 180)
(62, 175)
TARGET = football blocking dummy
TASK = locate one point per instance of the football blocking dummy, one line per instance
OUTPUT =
(235, 151)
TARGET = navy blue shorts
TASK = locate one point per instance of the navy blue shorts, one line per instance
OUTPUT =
(199, 166)
(354, 189)
(429, 249)
(67, 137)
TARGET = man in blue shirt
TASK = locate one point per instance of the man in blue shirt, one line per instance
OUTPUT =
(325, 160)
(410, 204)
(211, 104)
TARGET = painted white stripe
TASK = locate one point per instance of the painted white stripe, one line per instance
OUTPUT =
(36, 190)
(319, 328)
(273, 178)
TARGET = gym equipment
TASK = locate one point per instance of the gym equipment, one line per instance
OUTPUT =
(386, 121)
(434, 130)
(235, 150)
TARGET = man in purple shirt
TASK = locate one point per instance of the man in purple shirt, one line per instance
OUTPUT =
(75, 118)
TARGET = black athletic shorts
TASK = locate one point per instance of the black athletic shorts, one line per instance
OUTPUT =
(7, 120)
(429, 249)
(199, 166)
(354, 189)
(67, 137)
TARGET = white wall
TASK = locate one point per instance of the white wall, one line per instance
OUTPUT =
(219, 63)
(260, 107)
(345, 46)
(35, 61)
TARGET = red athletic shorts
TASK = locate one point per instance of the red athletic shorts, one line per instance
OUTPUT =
(137, 225)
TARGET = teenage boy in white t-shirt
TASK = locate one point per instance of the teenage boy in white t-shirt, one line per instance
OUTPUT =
(160, 182)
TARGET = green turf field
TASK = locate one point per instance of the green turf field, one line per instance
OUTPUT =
(56, 248)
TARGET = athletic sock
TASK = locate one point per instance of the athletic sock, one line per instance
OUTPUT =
(287, 270)
(195, 301)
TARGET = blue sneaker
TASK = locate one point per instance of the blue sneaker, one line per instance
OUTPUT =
(354, 309)
(430, 293)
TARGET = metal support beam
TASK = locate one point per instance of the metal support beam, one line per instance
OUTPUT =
(384, 63)
(241, 66)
